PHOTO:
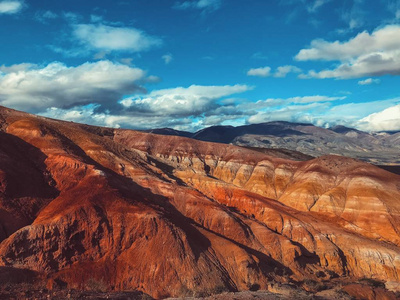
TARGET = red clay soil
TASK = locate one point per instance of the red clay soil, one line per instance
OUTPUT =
(165, 215)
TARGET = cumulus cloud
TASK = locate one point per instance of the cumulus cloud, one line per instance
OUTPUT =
(374, 64)
(110, 38)
(10, 7)
(191, 101)
(369, 81)
(284, 70)
(31, 88)
(385, 120)
(205, 5)
(384, 39)
(280, 72)
(366, 54)
(167, 58)
(259, 72)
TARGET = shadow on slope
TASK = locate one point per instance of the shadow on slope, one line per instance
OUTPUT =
(25, 184)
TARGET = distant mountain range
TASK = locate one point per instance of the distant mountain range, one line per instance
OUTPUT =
(381, 148)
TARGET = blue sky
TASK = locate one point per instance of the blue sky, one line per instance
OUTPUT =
(190, 64)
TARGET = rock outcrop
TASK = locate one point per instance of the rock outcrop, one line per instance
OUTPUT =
(171, 216)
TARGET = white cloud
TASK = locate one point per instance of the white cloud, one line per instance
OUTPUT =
(273, 102)
(191, 101)
(10, 7)
(383, 39)
(284, 70)
(280, 72)
(167, 58)
(310, 109)
(369, 81)
(205, 5)
(16, 68)
(312, 99)
(260, 72)
(350, 114)
(76, 114)
(366, 54)
(31, 88)
(109, 38)
(374, 64)
(385, 120)
(291, 113)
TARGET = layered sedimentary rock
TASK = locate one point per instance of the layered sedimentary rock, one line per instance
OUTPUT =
(167, 215)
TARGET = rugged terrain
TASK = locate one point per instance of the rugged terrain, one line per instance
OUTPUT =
(124, 210)
(381, 148)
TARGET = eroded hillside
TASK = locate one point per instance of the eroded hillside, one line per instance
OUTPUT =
(166, 214)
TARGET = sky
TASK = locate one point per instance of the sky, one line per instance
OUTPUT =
(190, 64)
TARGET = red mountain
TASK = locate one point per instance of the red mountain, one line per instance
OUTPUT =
(167, 215)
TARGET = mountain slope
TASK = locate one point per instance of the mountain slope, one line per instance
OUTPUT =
(167, 215)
